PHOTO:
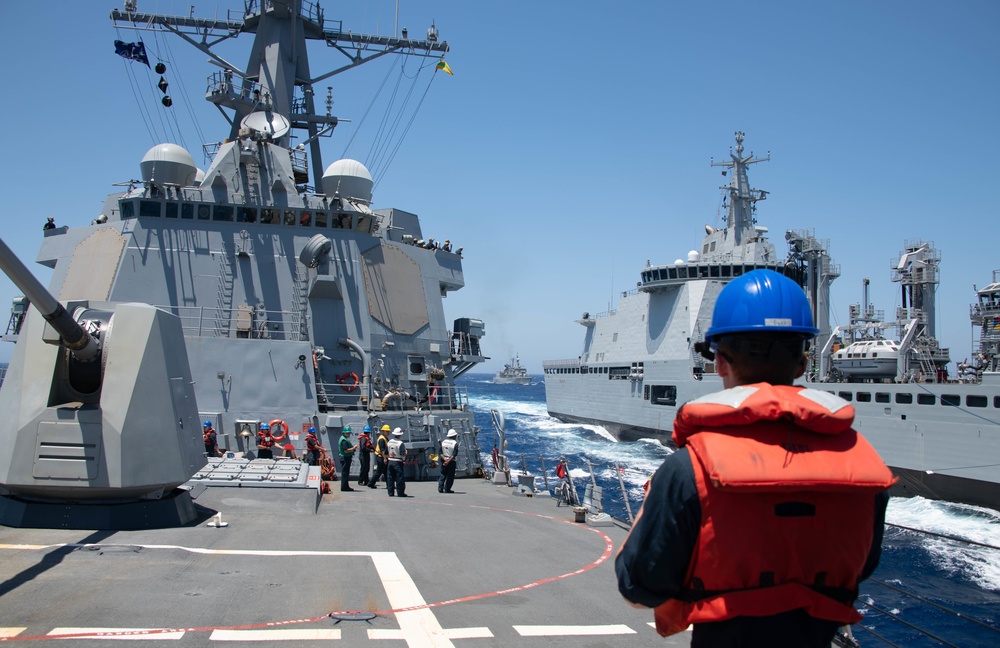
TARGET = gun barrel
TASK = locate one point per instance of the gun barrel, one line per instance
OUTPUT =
(74, 337)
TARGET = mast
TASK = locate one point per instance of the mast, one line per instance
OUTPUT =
(276, 78)
(742, 197)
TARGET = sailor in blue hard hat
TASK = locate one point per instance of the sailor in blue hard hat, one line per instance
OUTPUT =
(313, 448)
(265, 442)
(211, 439)
(765, 318)
(745, 529)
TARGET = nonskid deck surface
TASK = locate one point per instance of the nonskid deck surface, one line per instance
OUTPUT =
(480, 567)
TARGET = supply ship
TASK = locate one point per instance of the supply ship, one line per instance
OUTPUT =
(940, 434)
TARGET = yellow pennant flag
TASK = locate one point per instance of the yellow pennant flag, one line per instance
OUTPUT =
(441, 65)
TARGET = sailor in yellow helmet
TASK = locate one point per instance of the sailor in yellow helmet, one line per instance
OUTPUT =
(381, 451)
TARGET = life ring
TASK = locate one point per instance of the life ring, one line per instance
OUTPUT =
(284, 429)
(349, 386)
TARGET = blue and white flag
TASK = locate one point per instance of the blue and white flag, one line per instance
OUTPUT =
(133, 51)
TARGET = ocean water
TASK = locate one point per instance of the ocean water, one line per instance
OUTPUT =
(923, 580)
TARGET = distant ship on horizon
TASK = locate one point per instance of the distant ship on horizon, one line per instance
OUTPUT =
(512, 374)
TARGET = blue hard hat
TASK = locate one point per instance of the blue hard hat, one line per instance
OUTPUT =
(207, 424)
(367, 429)
(762, 301)
(312, 429)
(265, 426)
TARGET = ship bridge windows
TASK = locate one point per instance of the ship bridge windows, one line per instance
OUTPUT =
(170, 209)
(305, 218)
(270, 216)
(246, 215)
(204, 212)
(320, 219)
(127, 208)
(904, 398)
(951, 400)
(926, 399)
(150, 208)
(187, 211)
(289, 217)
(864, 397)
(847, 396)
(882, 397)
(223, 213)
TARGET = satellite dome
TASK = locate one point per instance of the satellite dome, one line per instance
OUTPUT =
(168, 164)
(693, 256)
(350, 179)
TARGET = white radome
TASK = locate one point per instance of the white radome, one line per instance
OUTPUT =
(168, 164)
(348, 179)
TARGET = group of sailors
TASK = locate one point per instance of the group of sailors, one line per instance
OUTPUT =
(431, 244)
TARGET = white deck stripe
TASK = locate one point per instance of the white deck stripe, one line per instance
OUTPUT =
(420, 628)
(449, 633)
(113, 633)
(571, 631)
(11, 632)
(284, 634)
(652, 624)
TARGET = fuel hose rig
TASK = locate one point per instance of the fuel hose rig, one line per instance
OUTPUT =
(100, 422)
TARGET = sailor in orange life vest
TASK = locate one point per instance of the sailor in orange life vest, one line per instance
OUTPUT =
(760, 527)
(265, 442)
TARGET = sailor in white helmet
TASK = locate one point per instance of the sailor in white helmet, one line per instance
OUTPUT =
(449, 451)
(395, 481)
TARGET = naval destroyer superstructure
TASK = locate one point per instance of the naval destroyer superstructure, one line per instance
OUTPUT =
(299, 303)
(638, 364)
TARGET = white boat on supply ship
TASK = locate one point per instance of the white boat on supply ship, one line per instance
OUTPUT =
(939, 434)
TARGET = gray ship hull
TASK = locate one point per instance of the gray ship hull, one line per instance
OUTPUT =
(938, 450)
(507, 380)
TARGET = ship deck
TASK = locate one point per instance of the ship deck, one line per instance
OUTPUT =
(480, 567)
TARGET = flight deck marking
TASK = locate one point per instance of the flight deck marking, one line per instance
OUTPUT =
(286, 634)
(573, 630)
(116, 633)
(402, 593)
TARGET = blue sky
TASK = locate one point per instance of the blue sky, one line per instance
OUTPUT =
(573, 141)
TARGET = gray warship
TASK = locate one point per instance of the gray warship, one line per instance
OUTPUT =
(940, 434)
(512, 374)
(265, 289)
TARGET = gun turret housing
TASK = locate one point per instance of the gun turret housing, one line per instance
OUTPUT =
(100, 427)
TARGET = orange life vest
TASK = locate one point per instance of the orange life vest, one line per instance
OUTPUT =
(787, 494)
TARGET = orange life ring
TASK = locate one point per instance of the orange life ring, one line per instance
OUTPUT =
(284, 429)
(349, 387)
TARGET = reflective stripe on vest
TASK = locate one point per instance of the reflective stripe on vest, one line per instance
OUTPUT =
(767, 491)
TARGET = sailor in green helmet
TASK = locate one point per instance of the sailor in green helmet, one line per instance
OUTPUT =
(347, 451)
